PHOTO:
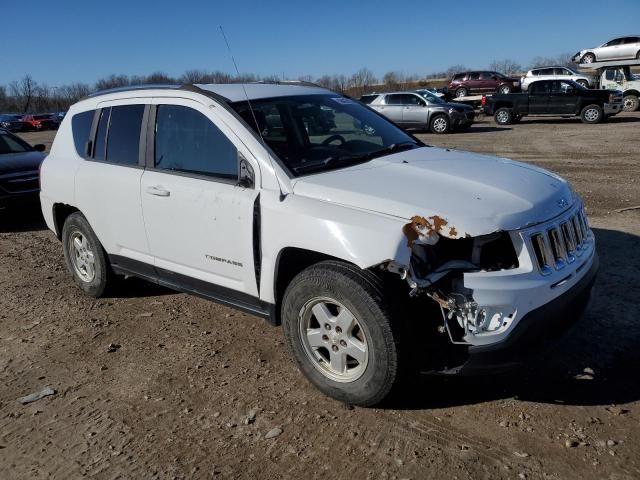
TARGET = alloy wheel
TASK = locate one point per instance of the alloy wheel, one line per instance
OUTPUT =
(82, 257)
(333, 339)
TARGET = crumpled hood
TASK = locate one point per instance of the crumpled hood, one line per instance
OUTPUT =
(20, 162)
(476, 194)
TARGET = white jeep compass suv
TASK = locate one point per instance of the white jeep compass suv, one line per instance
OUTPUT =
(375, 252)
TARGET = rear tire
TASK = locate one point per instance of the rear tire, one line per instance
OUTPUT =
(440, 124)
(592, 114)
(503, 116)
(584, 83)
(631, 103)
(504, 89)
(461, 92)
(330, 310)
(85, 258)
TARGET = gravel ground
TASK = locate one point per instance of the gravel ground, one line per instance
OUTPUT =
(152, 383)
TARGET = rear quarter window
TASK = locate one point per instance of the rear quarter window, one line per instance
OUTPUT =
(81, 129)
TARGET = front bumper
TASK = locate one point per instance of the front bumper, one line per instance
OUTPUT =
(536, 331)
(462, 119)
(612, 108)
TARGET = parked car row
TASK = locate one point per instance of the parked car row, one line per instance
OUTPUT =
(31, 122)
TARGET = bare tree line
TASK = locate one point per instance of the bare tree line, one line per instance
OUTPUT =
(27, 95)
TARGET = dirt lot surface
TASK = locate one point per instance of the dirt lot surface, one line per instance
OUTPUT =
(194, 387)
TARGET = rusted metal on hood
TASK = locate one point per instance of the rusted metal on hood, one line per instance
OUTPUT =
(427, 230)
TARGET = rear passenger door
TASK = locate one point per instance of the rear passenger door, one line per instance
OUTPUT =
(539, 97)
(199, 221)
(474, 84)
(107, 184)
(392, 108)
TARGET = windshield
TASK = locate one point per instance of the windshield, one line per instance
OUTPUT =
(12, 144)
(430, 97)
(312, 133)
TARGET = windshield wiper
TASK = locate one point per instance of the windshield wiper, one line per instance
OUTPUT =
(354, 159)
(393, 148)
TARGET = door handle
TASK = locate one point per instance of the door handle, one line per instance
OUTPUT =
(158, 191)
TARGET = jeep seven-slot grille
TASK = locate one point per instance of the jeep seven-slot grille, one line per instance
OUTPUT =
(561, 244)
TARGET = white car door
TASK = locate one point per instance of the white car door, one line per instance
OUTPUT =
(107, 184)
(199, 221)
(609, 51)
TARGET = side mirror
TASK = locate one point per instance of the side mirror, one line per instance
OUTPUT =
(40, 147)
(246, 176)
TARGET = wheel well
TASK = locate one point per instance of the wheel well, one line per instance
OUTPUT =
(631, 92)
(60, 213)
(502, 105)
(291, 261)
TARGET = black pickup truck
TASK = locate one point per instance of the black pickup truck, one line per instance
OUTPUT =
(554, 97)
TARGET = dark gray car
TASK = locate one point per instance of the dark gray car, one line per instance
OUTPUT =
(424, 111)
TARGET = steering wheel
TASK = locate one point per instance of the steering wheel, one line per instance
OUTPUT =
(332, 138)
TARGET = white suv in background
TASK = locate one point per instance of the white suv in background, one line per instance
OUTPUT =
(553, 73)
(294, 203)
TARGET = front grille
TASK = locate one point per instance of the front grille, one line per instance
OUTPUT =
(561, 243)
(470, 115)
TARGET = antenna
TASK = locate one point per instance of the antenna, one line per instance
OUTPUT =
(255, 120)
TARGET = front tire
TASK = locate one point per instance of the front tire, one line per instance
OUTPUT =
(588, 58)
(503, 116)
(339, 332)
(440, 124)
(631, 103)
(504, 89)
(584, 83)
(85, 257)
(592, 114)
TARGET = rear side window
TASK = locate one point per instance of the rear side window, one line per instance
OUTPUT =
(395, 99)
(118, 134)
(367, 99)
(100, 150)
(187, 141)
(123, 140)
(81, 129)
(540, 88)
(459, 76)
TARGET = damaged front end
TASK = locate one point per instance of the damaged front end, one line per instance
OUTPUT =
(440, 256)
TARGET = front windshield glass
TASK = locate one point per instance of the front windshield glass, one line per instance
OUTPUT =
(312, 133)
(11, 144)
(430, 97)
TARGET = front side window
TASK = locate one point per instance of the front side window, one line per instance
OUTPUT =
(612, 43)
(81, 129)
(311, 133)
(187, 141)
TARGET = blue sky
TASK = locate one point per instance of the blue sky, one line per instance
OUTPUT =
(63, 41)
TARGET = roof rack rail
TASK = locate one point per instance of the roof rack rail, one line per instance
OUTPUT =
(172, 86)
(303, 83)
